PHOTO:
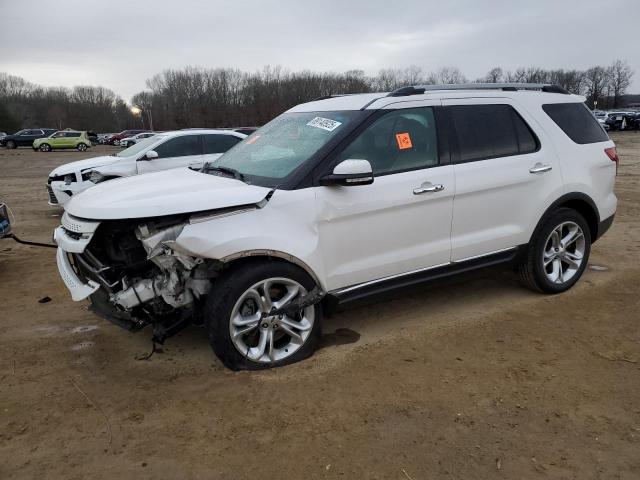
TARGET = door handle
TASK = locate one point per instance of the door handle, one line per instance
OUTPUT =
(428, 188)
(540, 168)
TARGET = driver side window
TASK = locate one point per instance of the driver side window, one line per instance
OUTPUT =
(398, 141)
(180, 147)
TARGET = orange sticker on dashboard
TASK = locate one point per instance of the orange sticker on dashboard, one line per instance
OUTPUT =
(252, 139)
(404, 141)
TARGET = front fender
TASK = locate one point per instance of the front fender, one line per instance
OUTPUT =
(285, 228)
(119, 169)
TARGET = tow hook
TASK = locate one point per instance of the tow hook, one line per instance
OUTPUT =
(33, 244)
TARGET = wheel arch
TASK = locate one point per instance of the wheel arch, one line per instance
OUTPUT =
(581, 203)
(264, 254)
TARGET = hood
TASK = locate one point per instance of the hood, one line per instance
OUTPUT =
(168, 192)
(84, 164)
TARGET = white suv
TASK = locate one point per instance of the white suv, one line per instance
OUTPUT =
(161, 151)
(341, 198)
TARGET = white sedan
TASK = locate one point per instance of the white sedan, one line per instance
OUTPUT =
(162, 151)
(127, 142)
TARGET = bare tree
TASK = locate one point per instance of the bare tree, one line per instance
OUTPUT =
(597, 80)
(224, 97)
(620, 77)
(446, 75)
(495, 75)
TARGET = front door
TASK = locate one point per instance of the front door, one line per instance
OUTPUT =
(401, 222)
(181, 151)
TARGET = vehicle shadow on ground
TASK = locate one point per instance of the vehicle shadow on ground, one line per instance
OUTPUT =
(372, 319)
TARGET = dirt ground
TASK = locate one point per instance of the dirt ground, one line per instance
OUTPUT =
(474, 377)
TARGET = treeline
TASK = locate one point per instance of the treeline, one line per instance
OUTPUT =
(200, 97)
(24, 104)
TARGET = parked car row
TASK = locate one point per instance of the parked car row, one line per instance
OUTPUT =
(618, 120)
(334, 200)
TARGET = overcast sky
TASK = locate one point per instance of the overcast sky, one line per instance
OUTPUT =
(119, 44)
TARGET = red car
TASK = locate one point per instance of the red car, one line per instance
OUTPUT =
(115, 139)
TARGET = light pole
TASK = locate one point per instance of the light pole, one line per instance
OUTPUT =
(136, 110)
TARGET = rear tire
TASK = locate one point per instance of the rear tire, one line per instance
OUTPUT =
(11, 145)
(558, 252)
(82, 147)
(235, 303)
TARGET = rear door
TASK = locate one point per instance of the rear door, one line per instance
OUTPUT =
(70, 139)
(505, 172)
(401, 222)
(180, 151)
(27, 138)
(216, 144)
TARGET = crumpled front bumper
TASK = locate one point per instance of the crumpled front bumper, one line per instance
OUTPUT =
(73, 237)
(78, 289)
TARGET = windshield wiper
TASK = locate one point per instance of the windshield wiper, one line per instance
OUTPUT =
(228, 170)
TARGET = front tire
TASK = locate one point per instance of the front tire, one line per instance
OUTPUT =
(244, 339)
(557, 253)
(45, 147)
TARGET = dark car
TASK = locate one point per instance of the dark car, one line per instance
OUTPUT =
(115, 139)
(93, 137)
(25, 138)
(623, 121)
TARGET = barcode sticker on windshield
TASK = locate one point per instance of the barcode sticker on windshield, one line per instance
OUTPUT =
(324, 123)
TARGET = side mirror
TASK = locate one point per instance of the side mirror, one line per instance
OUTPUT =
(349, 172)
(150, 155)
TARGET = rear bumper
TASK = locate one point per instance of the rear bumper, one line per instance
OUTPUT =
(604, 225)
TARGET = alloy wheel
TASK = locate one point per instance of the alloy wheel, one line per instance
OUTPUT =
(564, 252)
(264, 338)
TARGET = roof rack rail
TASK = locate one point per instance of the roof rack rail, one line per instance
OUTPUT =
(326, 97)
(508, 87)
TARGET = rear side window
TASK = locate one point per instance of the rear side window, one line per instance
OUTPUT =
(490, 131)
(219, 143)
(577, 122)
(72, 134)
(181, 146)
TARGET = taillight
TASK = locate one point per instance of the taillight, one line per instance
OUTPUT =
(613, 155)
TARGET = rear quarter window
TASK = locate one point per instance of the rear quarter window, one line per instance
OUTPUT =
(577, 122)
(491, 131)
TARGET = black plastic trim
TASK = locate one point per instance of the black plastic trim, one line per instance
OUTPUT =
(604, 226)
(341, 296)
(568, 197)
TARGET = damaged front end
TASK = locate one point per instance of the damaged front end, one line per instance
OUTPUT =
(134, 273)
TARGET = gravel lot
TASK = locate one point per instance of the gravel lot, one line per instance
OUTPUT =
(473, 377)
